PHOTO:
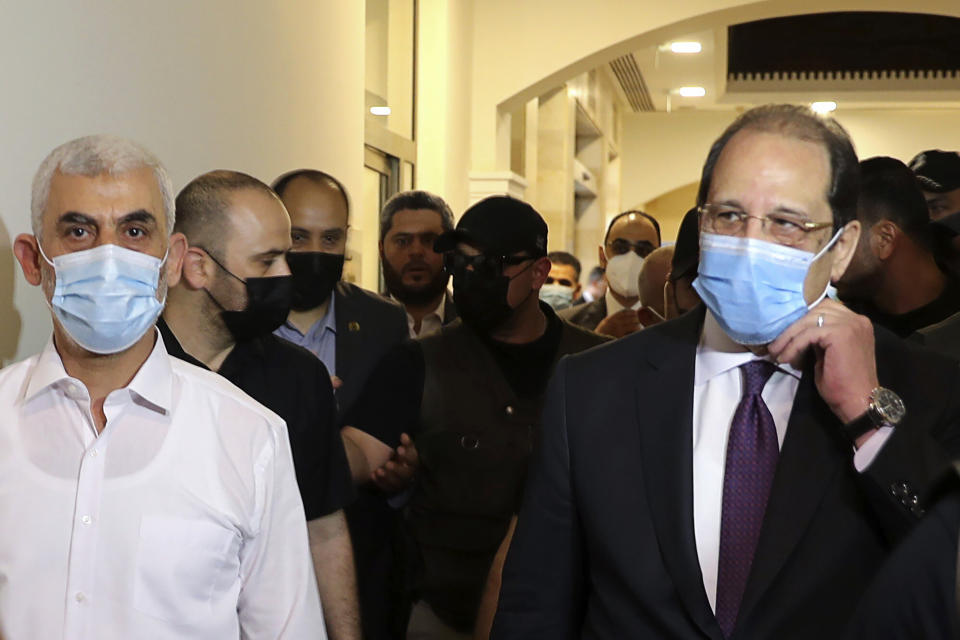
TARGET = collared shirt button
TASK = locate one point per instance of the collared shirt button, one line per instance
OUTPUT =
(86, 519)
(79, 597)
(509, 410)
(94, 453)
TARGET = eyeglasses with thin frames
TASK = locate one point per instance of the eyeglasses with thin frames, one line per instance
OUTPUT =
(782, 227)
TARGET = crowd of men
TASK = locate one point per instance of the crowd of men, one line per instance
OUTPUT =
(747, 433)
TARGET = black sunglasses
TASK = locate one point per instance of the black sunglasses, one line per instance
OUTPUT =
(482, 264)
(621, 246)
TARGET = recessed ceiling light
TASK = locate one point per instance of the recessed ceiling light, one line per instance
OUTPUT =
(686, 47)
(380, 111)
(692, 92)
(825, 106)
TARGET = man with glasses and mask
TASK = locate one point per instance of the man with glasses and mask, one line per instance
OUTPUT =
(742, 471)
(234, 290)
(631, 237)
(141, 497)
(471, 397)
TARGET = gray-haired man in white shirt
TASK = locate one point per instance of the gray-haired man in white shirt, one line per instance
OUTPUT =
(140, 497)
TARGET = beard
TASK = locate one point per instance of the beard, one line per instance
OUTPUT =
(416, 295)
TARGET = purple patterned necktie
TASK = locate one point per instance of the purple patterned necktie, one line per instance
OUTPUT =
(752, 453)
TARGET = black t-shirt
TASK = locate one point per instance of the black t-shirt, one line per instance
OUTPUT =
(904, 324)
(295, 385)
(390, 403)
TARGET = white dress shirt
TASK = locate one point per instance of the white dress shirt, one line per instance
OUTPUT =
(716, 394)
(181, 520)
(431, 323)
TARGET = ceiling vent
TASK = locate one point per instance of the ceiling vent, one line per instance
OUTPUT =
(631, 81)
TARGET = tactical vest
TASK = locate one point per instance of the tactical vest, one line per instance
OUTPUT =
(475, 441)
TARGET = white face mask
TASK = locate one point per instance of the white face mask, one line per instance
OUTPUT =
(623, 272)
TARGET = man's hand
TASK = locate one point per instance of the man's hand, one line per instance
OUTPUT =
(398, 472)
(336, 382)
(846, 369)
(621, 323)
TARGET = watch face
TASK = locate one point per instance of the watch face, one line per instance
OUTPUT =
(888, 405)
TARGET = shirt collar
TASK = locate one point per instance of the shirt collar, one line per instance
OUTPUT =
(152, 382)
(438, 311)
(717, 353)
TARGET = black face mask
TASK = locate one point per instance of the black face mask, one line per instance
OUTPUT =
(948, 225)
(268, 304)
(315, 273)
(481, 299)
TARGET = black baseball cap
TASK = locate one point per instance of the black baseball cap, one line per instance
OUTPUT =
(686, 252)
(498, 225)
(937, 171)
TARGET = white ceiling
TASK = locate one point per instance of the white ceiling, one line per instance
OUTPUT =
(665, 71)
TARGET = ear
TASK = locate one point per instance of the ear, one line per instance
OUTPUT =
(540, 271)
(197, 270)
(380, 248)
(176, 248)
(602, 257)
(884, 236)
(576, 291)
(27, 251)
(844, 249)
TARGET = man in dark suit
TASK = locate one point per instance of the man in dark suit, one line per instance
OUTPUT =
(349, 329)
(410, 222)
(345, 326)
(742, 471)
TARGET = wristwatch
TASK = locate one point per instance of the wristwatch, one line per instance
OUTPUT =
(885, 409)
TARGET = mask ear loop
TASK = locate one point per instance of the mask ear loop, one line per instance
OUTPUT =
(820, 253)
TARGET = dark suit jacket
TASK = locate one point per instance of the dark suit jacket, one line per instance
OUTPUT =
(915, 593)
(368, 325)
(943, 337)
(587, 315)
(605, 544)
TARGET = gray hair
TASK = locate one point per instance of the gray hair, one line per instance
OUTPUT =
(93, 156)
(414, 200)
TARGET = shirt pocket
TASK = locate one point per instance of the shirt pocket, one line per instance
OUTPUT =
(179, 563)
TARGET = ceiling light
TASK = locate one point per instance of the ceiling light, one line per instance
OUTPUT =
(692, 92)
(686, 47)
(380, 111)
(825, 106)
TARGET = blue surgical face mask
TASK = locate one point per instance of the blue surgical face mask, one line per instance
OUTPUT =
(754, 288)
(105, 298)
(556, 295)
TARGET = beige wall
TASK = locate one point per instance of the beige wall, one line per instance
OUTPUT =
(670, 208)
(662, 152)
(444, 60)
(257, 86)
